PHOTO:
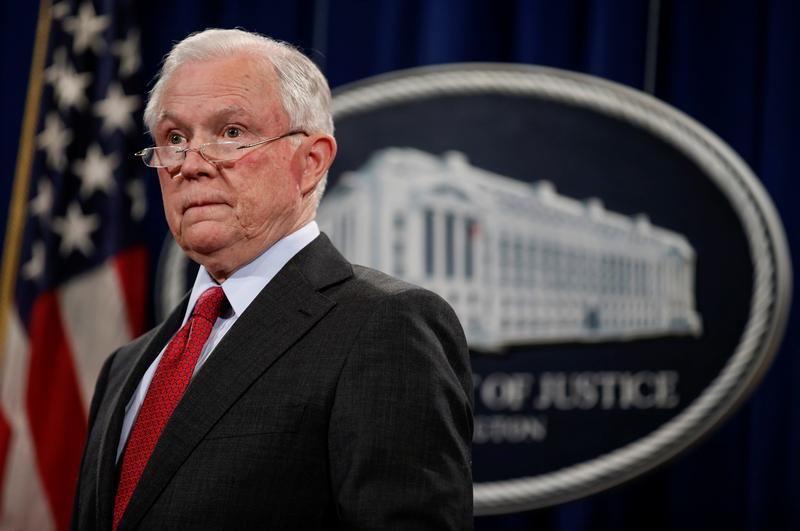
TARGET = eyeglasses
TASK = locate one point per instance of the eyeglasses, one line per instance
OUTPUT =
(171, 156)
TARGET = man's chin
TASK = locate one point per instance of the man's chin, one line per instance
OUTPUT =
(205, 237)
(201, 249)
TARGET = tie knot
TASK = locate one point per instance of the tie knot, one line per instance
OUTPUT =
(209, 305)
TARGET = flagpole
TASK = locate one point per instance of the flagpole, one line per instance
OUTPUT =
(17, 208)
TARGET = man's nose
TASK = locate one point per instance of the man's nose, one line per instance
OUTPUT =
(194, 165)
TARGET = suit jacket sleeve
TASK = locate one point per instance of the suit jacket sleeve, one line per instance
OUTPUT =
(401, 427)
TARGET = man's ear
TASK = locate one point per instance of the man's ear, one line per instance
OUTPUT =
(318, 155)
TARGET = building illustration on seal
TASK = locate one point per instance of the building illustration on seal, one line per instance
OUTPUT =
(519, 263)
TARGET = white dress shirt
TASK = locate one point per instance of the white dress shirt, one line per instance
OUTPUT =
(240, 290)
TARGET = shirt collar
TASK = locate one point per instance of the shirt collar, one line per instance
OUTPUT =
(248, 281)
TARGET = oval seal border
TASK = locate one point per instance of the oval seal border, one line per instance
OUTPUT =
(772, 280)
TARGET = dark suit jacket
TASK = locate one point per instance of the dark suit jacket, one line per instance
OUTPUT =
(341, 399)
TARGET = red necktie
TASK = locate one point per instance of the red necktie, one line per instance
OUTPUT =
(169, 382)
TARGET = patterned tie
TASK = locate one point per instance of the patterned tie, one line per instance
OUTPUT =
(169, 382)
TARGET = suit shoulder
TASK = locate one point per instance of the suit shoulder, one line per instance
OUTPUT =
(377, 297)
(368, 283)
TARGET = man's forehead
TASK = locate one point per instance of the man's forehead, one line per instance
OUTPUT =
(238, 73)
(235, 87)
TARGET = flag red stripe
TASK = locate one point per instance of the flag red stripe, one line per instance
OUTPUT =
(131, 265)
(57, 419)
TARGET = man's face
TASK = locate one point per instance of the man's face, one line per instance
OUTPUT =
(225, 214)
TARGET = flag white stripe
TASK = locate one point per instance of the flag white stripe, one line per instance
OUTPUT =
(24, 505)
(95, 322)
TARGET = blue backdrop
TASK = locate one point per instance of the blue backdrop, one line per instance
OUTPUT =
(732, 65)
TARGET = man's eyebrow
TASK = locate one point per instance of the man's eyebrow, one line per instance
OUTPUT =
(164, 116)
(229, 111)
(219, 114)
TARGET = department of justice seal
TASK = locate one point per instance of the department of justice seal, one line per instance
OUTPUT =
(622, 277)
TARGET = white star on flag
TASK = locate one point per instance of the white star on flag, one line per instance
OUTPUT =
(86, 29)
(34, 267)
(96, 171)
(42, 204)
(75, 230)
(117, 109)
(54, 140)
(58, 67)
(128, 53)
(70, 88)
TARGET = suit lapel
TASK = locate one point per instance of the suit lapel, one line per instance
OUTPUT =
(125, 386)
(282, 313)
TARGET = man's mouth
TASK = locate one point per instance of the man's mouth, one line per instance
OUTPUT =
(202, 202)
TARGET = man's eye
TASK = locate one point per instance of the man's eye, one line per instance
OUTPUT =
(175, 138)
(233, 132)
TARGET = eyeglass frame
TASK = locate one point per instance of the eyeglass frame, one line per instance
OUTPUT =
(199, 149)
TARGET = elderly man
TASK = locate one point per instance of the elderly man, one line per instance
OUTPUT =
(290, 389)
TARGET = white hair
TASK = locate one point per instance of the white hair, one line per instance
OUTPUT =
(304, 91)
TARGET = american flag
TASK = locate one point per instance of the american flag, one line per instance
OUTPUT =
(74, 268)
